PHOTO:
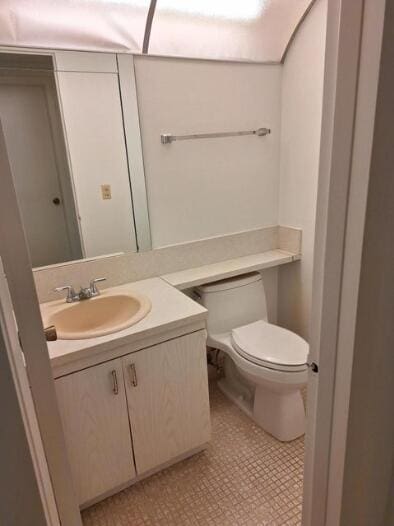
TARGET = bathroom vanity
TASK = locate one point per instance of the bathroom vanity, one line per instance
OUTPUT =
(134, 401)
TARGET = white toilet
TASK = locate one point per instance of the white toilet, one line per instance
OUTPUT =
(265, 366)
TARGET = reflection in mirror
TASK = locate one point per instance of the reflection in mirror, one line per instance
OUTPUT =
(31, 121)
(72, 196)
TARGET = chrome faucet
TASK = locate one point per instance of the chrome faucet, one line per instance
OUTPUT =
(85, 293)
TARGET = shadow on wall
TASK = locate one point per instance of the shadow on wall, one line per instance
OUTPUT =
(295, 299)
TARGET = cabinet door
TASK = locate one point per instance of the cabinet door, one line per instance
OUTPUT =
(93, 408)
(167, 395)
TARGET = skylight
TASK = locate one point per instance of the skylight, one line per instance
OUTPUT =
(226, 9)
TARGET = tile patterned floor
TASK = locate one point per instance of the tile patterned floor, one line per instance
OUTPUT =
(244, 478)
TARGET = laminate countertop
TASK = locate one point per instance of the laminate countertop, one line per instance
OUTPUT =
(172, 315)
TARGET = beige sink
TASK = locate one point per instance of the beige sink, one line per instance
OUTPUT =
(104, 314)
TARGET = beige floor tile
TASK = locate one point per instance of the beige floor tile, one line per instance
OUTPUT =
(244, 478)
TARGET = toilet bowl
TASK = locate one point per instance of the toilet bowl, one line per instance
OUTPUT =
(265, 366)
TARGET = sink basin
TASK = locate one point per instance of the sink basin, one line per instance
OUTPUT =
(104, 314)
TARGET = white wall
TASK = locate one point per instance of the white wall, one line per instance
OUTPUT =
(302, 91)
(203, 188)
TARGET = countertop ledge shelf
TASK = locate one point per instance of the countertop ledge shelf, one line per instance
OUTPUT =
(194, 277)
(173, 313)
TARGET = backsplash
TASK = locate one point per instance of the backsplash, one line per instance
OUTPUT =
(124, 268)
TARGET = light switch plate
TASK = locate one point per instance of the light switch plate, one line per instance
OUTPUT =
(106, 191)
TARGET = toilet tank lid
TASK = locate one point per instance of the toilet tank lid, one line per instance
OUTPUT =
(230, 283)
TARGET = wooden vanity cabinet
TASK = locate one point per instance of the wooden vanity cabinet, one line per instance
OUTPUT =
(167, 396)
(93, 408)
(160, 392)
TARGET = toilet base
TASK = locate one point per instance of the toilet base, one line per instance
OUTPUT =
(237, 398)
(278, 409)
(282, 414)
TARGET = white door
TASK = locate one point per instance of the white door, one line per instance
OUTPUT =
(93, 408)
(167, 395)
(21, 433)
(31, 150)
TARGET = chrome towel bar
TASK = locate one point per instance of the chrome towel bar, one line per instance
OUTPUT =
(167, 138)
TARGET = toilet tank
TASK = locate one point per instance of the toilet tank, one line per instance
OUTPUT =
(233, 302)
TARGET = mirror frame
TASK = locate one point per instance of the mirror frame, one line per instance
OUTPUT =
(131, 123)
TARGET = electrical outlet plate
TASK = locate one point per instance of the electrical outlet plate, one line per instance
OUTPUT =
(106, 191)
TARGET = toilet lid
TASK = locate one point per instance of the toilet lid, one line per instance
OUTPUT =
(271, 346)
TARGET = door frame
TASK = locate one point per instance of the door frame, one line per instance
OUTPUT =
(350, 94)
(17, 268)
(14, 360)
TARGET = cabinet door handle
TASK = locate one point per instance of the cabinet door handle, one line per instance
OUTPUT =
(115, 387)
(133, 375)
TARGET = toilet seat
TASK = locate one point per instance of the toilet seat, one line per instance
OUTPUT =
(270, 346)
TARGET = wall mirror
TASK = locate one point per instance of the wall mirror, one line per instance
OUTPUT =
(72, 132)
(72, 120)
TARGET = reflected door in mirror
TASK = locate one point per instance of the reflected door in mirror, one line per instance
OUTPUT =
(27, 115)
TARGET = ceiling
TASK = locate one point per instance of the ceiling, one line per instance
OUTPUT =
(251, 30)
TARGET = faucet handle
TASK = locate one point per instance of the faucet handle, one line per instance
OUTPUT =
(70, 292)
(93, 286)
